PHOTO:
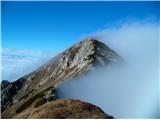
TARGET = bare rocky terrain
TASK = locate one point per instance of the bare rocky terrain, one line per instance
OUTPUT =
(31, 95)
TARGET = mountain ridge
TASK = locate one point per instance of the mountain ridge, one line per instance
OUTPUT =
(82, 57)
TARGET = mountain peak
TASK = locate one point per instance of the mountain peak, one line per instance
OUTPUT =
(90, 50)
(41, 83)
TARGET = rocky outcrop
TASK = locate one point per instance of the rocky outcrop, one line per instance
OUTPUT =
(39, 85)
(8, 90)
(65, 109)
(4, 84)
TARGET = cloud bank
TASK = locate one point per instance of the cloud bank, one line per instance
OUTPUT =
(125, 92)
(19, 62)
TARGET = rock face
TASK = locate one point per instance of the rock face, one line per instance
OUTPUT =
(38, 87)
(4, 84)
(65, 109)
(8, 90)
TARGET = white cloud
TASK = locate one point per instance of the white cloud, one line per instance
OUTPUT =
(130, 92)
(131, 37)
(19, 62)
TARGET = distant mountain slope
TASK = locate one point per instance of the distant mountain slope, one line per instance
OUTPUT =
(40, 84)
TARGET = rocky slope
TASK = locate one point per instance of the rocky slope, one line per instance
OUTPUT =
(38, 87)
(8, 90)
(4, 84)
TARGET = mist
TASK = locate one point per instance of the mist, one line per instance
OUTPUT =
(18, 62)
(129, 91)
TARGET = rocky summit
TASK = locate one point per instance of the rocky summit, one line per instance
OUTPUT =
(37, 90)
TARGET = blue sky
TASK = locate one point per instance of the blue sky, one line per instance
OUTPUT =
(54, 26)
(34, 32)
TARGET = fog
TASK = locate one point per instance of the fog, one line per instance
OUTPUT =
(129, 91)
(19, 62)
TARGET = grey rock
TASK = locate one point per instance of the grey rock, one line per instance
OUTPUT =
(8, 91)
(4, 84)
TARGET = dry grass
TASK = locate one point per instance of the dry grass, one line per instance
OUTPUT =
(69, 70)
(61, 109)
(40, 102)
(31, 99)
